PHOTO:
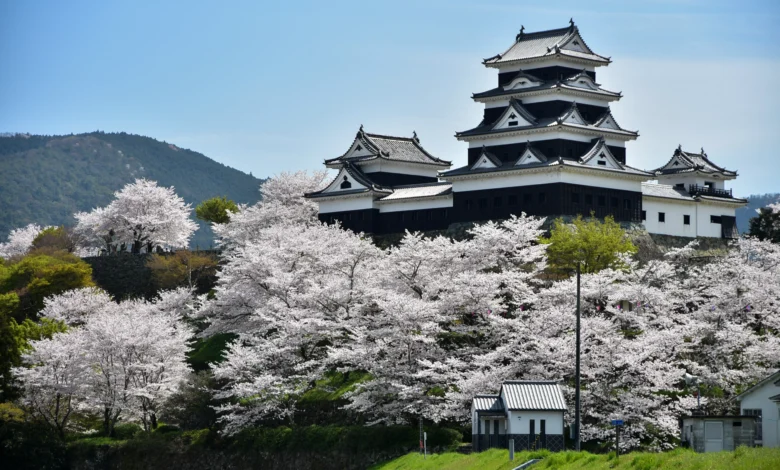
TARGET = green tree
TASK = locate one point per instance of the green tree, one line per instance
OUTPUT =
(216, 210)
(766, 225)
(594, 244)
(41, 273)
(56, 238)
(183, 269)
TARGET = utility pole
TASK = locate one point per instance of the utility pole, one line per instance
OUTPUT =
(577, 372)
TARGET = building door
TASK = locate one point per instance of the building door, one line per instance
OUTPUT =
(713, 436)
(542, 433)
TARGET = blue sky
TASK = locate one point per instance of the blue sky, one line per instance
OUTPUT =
(273, 86)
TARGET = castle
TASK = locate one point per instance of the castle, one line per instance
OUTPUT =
(547, 145)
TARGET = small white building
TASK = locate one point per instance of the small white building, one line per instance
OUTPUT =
(763, 401)
(690, 198)
(530, 412)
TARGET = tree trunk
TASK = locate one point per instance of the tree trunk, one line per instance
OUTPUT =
(153, 419)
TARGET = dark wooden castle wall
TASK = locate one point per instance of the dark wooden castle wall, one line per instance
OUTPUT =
(496, 204)
(569, 149)
(549, 109)
(384, 178)
(544, 73)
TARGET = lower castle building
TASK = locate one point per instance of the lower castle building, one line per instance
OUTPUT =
(547, 145)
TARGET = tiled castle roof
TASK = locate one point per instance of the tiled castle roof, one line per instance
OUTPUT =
(401, 149)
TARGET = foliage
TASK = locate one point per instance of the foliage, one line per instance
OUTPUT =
(742, 459)
(754, 203)
(57, 238)
(40, 274)
(596, 245)
(766, 225)
(31, 445)
(192, 405)
(216, 210)
(210, 350)
(11, 413)
(142, 215)
(183, 268)
(125, 431)
(46, 179)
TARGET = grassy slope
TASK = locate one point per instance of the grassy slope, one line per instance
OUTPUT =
(680, 459)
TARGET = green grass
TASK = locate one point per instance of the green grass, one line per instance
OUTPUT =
(680, 459)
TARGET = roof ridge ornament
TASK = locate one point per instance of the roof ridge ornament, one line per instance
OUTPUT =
(571, 22)
(703, 152)
(521, 34)
(414, 137)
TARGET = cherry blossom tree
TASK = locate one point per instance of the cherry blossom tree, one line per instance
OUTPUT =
(143, 214)
(122, 360)
(20, 240)
(282, 203)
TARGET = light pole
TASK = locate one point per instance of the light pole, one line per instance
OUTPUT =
(577, 372)
(689, 379)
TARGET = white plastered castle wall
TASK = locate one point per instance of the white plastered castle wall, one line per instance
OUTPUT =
(547, 177)
(413, 205)
(674, 212)
(347, 204)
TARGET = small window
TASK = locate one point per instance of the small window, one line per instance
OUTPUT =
(737, 423)
(575, 198)
(512, 199)
(541, 197)
(627, 204)
(680, 186)
(497, 201)
(482, 203)
(614, 202)
(346, 184)
(602, 163)
(662, 217)
(588, 199)
(715, 219)
(602, 201)
(759, 426)
(686, 219)
(512, 123)
(528, 198)
(469, 204)
(644, 215)
(709, 184)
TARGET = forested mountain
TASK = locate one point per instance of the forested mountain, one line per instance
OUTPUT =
(755, 202)
(45, 179)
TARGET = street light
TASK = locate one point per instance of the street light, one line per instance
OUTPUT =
(692, 379)
(577, 371)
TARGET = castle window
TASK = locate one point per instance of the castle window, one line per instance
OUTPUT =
(497, 201)
(482, 203)
(469, 204)
(662, 217)
(715, 219)
(575, 198)
(346, 184)
(512, 123)
(602, 163)
(588, 199)
(541, 198)
(512, 199)
(686, 219)
(528, 198)
(626, 203)
(602, 201)
(644, 215)
(614, 202)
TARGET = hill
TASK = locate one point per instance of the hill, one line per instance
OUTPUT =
(45, 179)
(755, 201)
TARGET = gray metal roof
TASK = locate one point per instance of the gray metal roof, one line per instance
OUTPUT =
(665, 190)
(689, 162)
(403, 149)
(488, 403)
(418, 191)
(533, 395)
(545, 43)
